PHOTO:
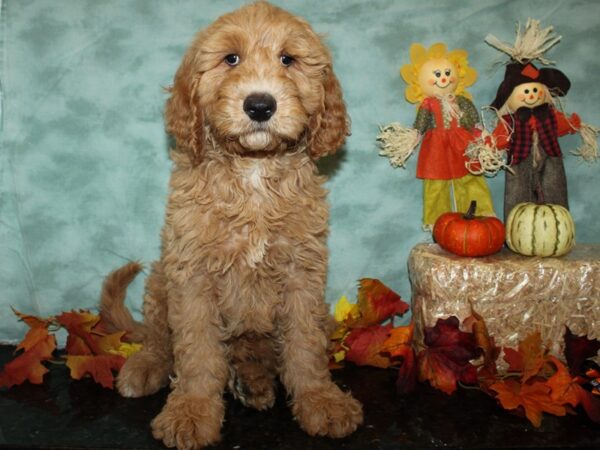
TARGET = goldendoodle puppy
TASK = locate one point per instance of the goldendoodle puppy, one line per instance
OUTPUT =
(236, 298)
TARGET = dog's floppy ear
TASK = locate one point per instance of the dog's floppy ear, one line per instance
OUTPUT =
(330, 125)
(183, 115)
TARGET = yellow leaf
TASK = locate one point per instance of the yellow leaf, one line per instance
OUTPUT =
(345, 310)
(127, 349)
(339, 356)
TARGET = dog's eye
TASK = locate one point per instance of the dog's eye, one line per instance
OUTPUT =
(232, 59)
(286, 60)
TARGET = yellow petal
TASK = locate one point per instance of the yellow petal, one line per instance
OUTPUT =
(470, 76)
(458, 54)
(418, 54)
(413, 94)
(408, 74)
(437, 51)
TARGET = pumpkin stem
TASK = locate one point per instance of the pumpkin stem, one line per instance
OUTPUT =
(471, 211)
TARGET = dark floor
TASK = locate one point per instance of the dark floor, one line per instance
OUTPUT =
(67, 414)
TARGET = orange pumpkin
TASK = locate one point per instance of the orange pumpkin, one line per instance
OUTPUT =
(468, 234)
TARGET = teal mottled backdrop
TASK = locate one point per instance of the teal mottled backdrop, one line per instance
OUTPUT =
(83, 154)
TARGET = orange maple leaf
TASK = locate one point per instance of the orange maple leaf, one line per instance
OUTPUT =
(376, 303)
(563, 386)
(534, 397)
(99, 367)
(79, 326)
(529, 358)
(399, 341)
(399, 345)
(33, 321)
(38, 346)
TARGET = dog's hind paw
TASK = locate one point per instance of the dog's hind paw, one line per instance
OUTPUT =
(189, 422)
(143, 374)
(327, 412)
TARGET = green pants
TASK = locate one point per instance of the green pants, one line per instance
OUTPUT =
(437, 197)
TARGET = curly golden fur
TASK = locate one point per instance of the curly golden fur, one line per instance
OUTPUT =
(236, 299)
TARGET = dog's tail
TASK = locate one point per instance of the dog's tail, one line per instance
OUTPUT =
(113, 312)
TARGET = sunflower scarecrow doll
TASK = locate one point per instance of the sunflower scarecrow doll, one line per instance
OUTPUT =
(530, 121)
(446, 123)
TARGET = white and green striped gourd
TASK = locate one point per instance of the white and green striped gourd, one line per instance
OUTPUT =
(540, 230)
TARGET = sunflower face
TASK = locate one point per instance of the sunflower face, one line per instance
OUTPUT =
(436, 72)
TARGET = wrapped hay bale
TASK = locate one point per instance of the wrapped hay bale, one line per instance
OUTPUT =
(515, 295)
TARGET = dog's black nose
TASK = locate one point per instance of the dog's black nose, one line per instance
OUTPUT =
(260, 106)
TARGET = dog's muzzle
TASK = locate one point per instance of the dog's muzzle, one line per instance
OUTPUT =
(260, 107)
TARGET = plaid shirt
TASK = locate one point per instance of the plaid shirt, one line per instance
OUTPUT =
(527, 120)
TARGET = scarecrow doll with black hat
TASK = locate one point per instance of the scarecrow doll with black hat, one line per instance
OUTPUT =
(531, 121)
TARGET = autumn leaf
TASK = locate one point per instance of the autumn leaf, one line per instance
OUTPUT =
(38, 346)
(377, 303)
(91, 351)
(483, 341)
(578, 349)
(79, 326)
(33, 321)
(407, 374)
(345, 311)
(563, 386)
(78, 322)
(126, 349)
(359, 332)
(589, 402)
(399, 345)
(445, 361)
(399, 340)
(99, 367)
(364, 346)
(534, 397)
(529, 358)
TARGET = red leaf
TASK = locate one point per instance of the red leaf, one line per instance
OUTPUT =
(578, 349)
(589, 402)
(407, 375)
(99, 367)
(445, 361)
(38, 345)
(365, 346)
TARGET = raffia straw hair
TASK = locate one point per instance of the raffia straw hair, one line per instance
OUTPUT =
(588, 150)
(531, 44)
(398, 142)
(485, 159)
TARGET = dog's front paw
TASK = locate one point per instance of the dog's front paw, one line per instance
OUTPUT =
(189, 422)
(144, 373)
(327, 412)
